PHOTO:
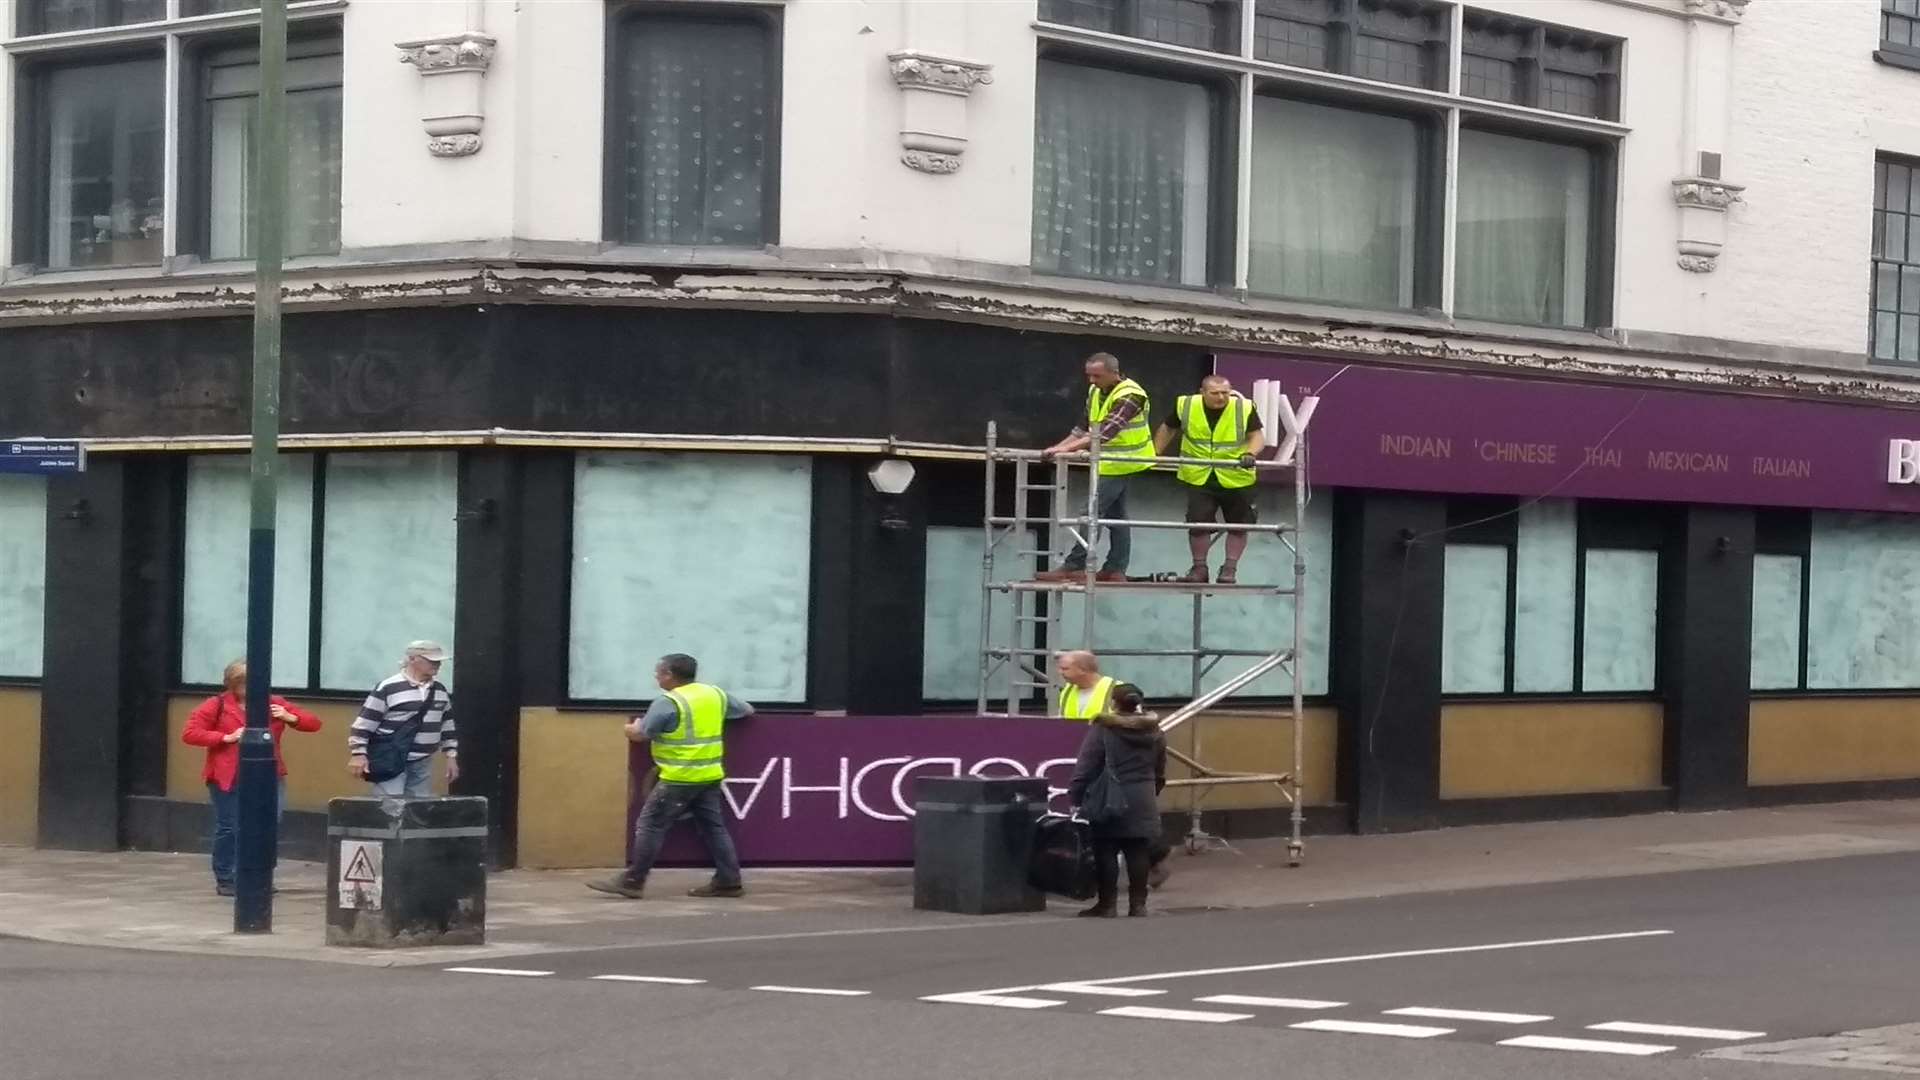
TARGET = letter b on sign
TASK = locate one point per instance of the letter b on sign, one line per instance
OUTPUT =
(1903, 461)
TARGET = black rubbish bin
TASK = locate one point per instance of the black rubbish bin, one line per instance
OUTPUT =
(406, 872)
(972, 841)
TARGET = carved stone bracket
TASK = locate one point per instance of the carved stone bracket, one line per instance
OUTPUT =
(933, 128)
(1703, 207)
(454, 68)
(1730, 10)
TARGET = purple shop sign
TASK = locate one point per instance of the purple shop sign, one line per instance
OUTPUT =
(838, 790)
(1399, 429)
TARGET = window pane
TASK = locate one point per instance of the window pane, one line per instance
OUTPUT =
(387, 563)
(23, 575)
(59, 16)
(694, 119)
(104, 140)
(1293, 32)
(1121, 173)
(1334, 194)
(1489, 78)
(1621, 620)
(1776, 621)
(1473, 640)
(1525, 211)
(213, 608)
(950, 643)
(1544, 589)
(1196, 24)
(313, 174)
(212, 7)
(642, 592)
(1234, 621)
(1863, 620)
(1573, 93)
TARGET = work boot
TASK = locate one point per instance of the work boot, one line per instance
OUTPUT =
(1062, 573)
(1110, 575)
(1098, 911)
(223, 888)
(1228, 574)
(714, 889)
(1137, 911)
(1197, 575)
(617, 886)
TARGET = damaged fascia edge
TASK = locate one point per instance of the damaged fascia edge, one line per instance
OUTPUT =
(572, 440)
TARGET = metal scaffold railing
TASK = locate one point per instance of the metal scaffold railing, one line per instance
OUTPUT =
(1031, 612)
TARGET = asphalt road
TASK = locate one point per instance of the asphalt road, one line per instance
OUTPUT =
(1632, 977)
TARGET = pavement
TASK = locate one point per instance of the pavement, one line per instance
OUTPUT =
(165, 902)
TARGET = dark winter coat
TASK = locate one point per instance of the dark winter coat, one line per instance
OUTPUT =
(1137, 751)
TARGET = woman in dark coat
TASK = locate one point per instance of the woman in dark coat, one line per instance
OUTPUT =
(1128, 742)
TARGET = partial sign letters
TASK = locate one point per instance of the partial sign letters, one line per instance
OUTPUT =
(1903, 461)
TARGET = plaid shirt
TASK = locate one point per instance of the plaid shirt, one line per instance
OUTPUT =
(1118, 418)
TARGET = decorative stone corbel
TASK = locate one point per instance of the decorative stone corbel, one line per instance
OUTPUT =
(933, 127)
(1703, 219)
(1730, 10)
(454, 67)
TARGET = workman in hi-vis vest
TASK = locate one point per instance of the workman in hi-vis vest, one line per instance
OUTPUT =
(685, 729)
(1216, 425)
(1084, 692)
(1117, 408)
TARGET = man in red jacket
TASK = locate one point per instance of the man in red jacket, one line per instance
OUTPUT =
(217, 725)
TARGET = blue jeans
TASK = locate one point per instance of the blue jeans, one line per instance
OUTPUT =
(415, 783)
(226, 828)
(666, 804)
(1113, 504)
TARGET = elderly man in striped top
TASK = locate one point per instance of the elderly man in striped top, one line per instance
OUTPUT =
(403, 722)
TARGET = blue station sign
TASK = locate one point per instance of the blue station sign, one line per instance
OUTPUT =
(41, 457)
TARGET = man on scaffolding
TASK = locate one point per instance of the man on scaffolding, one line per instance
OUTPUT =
(1117, 406)
(1215, 425)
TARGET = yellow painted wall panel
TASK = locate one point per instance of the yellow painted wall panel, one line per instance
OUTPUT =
(1551, 748)
(573, 789)
(1249, 741)
(19, 766)
(316, 761)
(1833, 740)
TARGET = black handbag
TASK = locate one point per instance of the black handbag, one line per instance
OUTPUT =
(1104, 799)
(387, 754)
(1063, 861)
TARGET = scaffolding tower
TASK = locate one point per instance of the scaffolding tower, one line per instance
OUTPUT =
(1031, 611)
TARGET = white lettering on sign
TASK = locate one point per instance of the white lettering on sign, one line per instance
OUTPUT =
(360, 865)
(1274, 405)
(1903, 461)
(879, 790)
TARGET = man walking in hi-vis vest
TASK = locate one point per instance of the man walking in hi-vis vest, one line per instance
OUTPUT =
(1117, 408)
(685, 729)
(1216, 425)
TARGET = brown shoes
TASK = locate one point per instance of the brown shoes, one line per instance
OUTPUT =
(1197, 575)
(1228, 574)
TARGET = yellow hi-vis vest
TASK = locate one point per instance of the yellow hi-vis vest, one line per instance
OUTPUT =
(1223, 441)
(1077, 706)
(1134, 441)
(691, 753)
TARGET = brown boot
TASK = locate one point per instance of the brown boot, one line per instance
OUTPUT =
(1228, 574)
(1110, 576)
(1062, 573)
(1197, 575)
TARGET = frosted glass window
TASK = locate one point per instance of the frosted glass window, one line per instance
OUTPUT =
(1544, 582)
(1776, 621)
(1621, 621)
(950, 641)
(705, 554)
(1863, 620)
(23, 575)
(1473, 642)
(214, 600)
(1525, 224)
(1130, 620)
(387, 563)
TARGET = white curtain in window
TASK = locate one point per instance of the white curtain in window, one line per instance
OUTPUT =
(705, 554)
(313, 173)
(213, 610)
(1524, 216)
(1121, 171)
(1621, 621)
(1776, 621)
(387, 563)
(1333, 204)
(1473, 640)
(1544, 582)
(105, 148)
(1863, 623)
(23, 575)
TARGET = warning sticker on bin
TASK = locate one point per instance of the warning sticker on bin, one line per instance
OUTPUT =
(360, 874)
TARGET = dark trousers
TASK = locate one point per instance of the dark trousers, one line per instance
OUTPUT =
(1107, 853)
(668, 803)
(1113, 504)
(226, 828)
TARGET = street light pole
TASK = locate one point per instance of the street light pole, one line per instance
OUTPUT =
(258, 783)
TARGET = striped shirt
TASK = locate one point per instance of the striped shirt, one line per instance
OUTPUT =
(396, 702)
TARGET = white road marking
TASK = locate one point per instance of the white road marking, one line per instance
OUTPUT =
(665, 980)
(1672, 1031)
(1097, 990)
(1471, 1015)
(500, 971)
(1364, 1027)
(997, 1000)
(821, 991)
(1270, 1002)
(1586, 1046)
(1195, 1016)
